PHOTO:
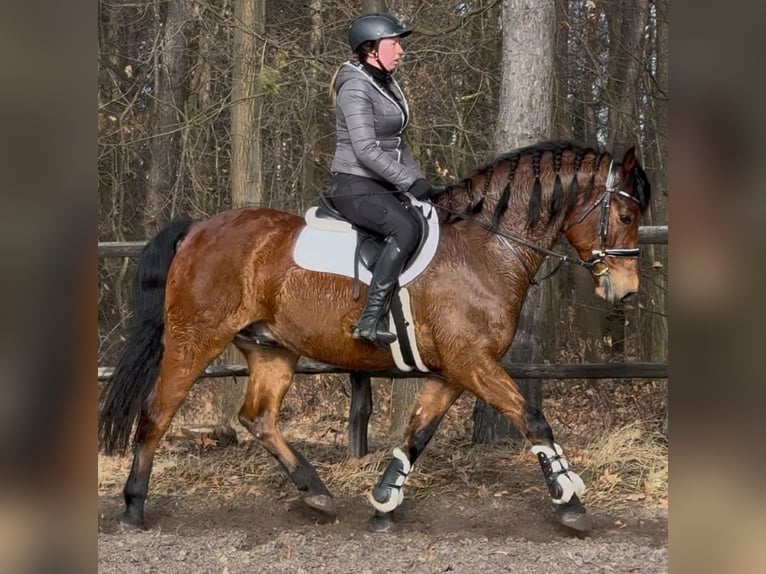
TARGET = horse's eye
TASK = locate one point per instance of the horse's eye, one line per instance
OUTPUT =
(625, 219)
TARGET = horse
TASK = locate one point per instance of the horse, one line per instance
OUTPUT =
(231, 278)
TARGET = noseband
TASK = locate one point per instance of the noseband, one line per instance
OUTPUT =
(597, 262)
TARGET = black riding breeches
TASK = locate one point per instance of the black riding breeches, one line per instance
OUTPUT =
(372, 206)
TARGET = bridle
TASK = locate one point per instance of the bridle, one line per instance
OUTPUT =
(597, 264)
(598, 256)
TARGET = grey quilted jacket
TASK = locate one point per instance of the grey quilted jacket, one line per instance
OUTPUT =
(369, 129)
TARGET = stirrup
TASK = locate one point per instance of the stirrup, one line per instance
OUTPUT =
(377, 338)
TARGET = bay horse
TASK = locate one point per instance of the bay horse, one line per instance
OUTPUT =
(202, 285)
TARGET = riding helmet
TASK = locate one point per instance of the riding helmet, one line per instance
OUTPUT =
(375, 26)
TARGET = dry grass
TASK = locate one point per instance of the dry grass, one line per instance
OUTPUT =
(621, 464)
(625, 464)
(619, 467)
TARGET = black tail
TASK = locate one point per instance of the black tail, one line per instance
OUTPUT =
(134, 377)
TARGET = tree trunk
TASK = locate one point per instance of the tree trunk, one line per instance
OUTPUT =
(627, 22)
(246, 172)
(577, 45)
(403, 391)
(374, 6)
(310, 181)
(170, 66)
(650, 313)
(525, 110)
(562, 110)
(403, 394)
(588, 96)
(524, 117)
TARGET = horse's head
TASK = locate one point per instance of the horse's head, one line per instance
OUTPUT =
(603, 227)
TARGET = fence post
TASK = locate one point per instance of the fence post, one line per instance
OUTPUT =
(359, 413)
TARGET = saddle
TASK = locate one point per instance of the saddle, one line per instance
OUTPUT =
(369, 245)
(331, 244)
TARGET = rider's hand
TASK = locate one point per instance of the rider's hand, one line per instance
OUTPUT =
(421, 189)
(436, 191)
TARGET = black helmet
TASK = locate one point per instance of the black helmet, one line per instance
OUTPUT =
(375, 26)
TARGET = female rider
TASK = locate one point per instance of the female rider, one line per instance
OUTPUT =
(372, 163)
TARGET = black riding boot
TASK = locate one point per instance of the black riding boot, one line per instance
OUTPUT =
(384, 278)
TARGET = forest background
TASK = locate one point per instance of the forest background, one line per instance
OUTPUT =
(203, 106)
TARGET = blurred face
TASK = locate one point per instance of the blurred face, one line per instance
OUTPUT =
(388, 53)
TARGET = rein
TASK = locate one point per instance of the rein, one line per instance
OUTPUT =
(597, 255)
(507, 237)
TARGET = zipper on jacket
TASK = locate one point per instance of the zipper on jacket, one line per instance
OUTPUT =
(399, 105)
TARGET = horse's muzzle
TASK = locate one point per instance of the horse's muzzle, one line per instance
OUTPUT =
(628, 297)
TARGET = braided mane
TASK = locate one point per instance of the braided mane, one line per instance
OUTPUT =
(548, 196)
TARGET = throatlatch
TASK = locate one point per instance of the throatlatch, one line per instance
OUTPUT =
(388, 493)
(562, 482)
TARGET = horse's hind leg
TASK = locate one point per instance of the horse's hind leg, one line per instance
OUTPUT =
(435, 398)
(271, 372)
(181, 365)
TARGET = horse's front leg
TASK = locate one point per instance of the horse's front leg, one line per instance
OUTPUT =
(490, 382)
(564, 485)
(433, 401)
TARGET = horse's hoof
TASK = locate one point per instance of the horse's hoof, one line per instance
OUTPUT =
(323, 503)
(133, 522)
(578, 520)
(381, 522)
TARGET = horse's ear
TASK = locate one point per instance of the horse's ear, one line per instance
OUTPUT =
(629, 160)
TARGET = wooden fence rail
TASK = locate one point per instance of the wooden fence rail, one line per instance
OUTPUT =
(657, 235)
(360, 406)
(629, 370)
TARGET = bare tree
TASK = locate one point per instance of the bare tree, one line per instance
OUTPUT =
(246, 165)
(246, 169)
(525, 118)
(650, 313)
(311, 105)
(627, 23)
(170, 65)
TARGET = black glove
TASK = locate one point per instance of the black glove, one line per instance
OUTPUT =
(421, 189)
(436, 191)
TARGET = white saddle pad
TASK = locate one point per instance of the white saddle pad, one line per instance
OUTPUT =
(329, 246)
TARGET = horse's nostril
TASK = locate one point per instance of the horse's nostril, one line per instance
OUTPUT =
(627, 298)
